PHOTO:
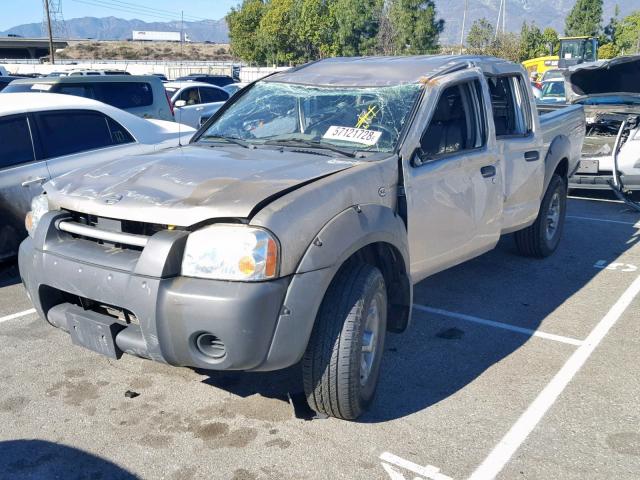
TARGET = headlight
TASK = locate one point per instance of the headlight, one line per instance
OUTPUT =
(231, 252)
(39, 206)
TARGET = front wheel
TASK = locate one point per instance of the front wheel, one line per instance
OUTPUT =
(342, 361)
(542, 238)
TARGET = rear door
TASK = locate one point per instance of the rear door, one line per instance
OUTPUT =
(21, 178)
(453, 180)
(520, 147)
(70, 139)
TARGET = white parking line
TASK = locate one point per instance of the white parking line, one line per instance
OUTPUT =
(504, 326)
(592, 219)
(17, 315)
(428, 471)
(518, 433)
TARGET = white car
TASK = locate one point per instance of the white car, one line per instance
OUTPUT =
(232, 88)
(45, 135)
(194, 100)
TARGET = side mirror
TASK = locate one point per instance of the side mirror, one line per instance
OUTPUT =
(419, 157)
(179, 103)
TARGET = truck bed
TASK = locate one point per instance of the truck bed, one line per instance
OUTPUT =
(563, 120)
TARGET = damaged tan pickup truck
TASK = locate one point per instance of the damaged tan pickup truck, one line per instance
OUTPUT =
(294, 225)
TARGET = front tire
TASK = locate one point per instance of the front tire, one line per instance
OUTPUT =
(543, 237)
(342, 360)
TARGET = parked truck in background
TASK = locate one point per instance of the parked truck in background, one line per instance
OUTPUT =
(152, 36)
(294, 225)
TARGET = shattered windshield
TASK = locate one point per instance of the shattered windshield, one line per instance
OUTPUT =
(351, 118)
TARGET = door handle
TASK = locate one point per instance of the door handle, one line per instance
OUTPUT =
(488, 171)
(532, 156)
(34, 181)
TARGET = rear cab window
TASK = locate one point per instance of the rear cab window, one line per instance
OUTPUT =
(510, 106)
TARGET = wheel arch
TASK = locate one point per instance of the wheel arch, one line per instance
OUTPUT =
(557, 160)
(370, 233)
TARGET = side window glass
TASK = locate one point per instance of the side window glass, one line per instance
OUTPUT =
(119, 136)
(510, 106)
(69, 132)
(209, 95)
(70, 89)
(457, 123)
(191, 96)
(15, 139)
(124, 94)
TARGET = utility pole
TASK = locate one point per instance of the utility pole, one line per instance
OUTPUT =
(498, 20)
(52, 55)
(181, 40)
(464, 22)
(504, 17)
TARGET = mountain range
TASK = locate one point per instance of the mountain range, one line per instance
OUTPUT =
(545, 13)
(112, 28)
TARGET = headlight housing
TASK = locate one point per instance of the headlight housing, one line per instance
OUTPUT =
(231, 252)
(39, 206)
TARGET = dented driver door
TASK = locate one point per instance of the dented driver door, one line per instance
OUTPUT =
(452, 176)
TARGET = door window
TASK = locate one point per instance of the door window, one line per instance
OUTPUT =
(210, 95)
(510, 106)
(69, 132)
(457, 124)
(15, 139)
(190, 95)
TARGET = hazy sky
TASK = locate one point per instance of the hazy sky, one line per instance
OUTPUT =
(16, 12)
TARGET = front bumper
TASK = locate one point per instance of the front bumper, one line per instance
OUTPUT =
(172, 311)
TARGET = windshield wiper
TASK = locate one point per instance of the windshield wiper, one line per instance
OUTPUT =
(237, 141)
(311, 144)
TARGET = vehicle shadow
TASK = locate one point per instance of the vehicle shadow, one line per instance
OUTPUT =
(437, 357)
(40, 459)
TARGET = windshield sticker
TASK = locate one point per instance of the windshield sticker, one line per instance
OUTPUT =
(364, 119)
(41, 86)
(356, 135)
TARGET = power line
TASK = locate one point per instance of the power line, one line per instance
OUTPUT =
(137, 9)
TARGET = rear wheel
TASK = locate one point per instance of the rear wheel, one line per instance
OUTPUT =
(542, 238)
(342, 361)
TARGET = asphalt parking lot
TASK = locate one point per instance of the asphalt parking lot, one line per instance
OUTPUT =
(512, 367)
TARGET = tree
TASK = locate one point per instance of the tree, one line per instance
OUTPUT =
(243, 23)
(480, 36)
(628, 34)
(314, 29)
(608, 50)
(415, 27)
(386, 32)
(551, 41)
(506, 45)
(584, 19)
(609, 35)
(355, 26)
(531, 42)
(276, 33)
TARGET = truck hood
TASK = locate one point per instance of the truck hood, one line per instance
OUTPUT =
(187, 185)
(604, 79)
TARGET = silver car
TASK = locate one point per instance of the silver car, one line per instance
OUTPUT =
(43, 136)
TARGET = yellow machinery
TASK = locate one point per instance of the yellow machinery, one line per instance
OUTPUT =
(573, 50)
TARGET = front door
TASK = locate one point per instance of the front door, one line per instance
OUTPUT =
(453, 182)
(21, 179)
